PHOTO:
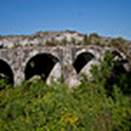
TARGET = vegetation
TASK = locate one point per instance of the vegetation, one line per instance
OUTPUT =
(86, 40)
(34, 106)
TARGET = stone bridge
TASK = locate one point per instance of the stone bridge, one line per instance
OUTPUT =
(50, 62)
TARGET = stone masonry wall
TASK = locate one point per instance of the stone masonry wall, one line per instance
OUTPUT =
(18, 57)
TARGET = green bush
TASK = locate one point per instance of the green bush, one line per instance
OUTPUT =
(41, 108)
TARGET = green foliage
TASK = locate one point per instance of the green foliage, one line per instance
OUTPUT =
(86, 40)
(34, 106)
(94, 38)
(121, 44)
(101, 72)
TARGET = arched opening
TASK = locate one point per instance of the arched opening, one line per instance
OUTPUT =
(40, 65)
(6, 73)
(116, 55)
(82, 60)
(118, 67)
(119, 75)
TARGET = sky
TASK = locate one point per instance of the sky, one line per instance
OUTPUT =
(105, 17)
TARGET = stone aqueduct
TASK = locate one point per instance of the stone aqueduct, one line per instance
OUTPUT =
(50, 62)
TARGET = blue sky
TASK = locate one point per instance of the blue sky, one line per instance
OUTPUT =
(106, 17)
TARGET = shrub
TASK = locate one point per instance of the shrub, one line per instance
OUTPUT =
(86, 40)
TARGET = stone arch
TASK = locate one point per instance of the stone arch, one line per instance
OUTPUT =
(120, 61)
(81, 60)
(6, 72)
(117, 55)
(119, 69)
(94, 51)
(41, 64)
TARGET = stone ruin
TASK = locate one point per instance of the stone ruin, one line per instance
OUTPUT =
(51, 63)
